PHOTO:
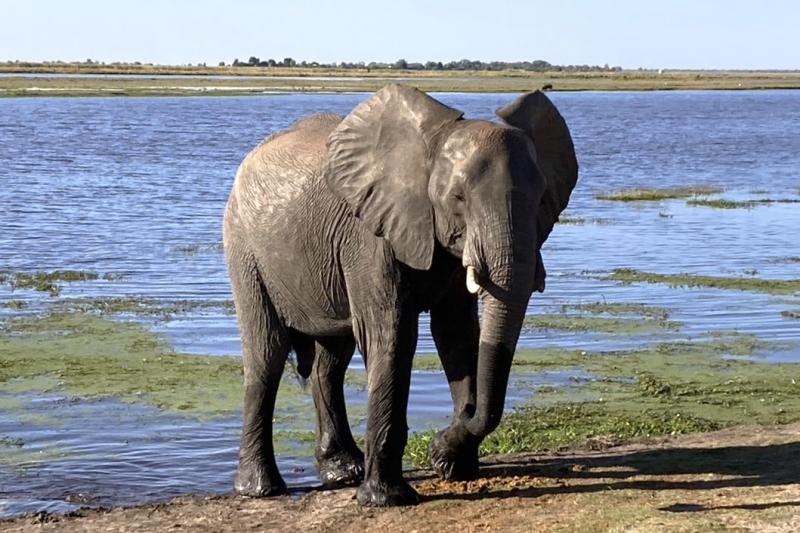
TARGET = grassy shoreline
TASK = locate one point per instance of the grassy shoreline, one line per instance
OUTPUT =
(156, 80)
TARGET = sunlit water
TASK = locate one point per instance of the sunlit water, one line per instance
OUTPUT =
(114, 185)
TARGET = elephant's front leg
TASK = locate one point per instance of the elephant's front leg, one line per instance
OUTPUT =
(390, 342)
(455, 329)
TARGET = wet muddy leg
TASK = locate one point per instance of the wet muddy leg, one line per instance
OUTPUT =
(455, 329)
(340, 461)
(265, 347)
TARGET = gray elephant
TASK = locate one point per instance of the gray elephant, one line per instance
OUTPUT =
(339, 232)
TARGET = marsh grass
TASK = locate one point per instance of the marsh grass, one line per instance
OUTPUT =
(45, 281)
(652, 195)
(751, 284)
(15, 304)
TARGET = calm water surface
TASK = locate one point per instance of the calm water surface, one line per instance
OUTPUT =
(119, 185)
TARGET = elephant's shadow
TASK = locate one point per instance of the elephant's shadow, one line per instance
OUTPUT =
(742, 466)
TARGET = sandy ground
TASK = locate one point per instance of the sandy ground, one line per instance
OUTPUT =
(742, 479)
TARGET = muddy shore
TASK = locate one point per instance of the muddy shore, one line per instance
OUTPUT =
(745, 478)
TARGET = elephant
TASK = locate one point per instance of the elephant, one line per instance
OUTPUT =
(340, 231)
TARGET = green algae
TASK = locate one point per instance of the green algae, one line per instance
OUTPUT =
(22, 457)
(197, 248)
(774, 287)
(619, 308)
(666, 389)
(141, 306)
(787, 260)
(44, 281)
(85, 356)
(651, 195)
(15, 304)
(721, 203)
(580, 221)
(580, 323)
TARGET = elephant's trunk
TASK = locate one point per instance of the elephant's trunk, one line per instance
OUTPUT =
(506, 291)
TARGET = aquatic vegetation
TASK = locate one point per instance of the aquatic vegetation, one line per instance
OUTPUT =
(579, 221)
(141, 306)
(649, 195)
(84, 356)
(667, 389)
(44, 281)
(15, 304)
(720, 203)
(8, 442)
(565, 322)
(738, 204)
(629, 275)
(618, 308)
(791, 314)
(194, 249)
(571, 220)
(788, 260)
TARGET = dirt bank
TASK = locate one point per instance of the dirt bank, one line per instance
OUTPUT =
(745, 478)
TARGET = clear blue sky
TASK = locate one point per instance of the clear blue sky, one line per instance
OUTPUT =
(653, 34)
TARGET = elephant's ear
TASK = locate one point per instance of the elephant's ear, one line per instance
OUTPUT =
(555, 153)
(378, 163)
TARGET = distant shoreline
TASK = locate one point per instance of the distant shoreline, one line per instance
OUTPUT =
(17, 80)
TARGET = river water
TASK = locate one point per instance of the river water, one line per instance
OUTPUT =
(122, 185)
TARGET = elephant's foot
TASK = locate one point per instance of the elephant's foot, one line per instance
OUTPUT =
(374, 493)
(454, 455)
(256, 481)
(344, 469)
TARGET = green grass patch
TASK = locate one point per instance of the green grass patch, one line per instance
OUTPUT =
(667, 389)
(44, 281)
(775, 287)
(581, 323)
(652, 195)
(84, 355)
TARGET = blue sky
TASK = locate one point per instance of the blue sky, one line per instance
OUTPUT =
(650, 34)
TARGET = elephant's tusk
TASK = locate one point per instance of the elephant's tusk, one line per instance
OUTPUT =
(472, 280)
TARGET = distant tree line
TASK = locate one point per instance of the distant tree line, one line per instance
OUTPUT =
(538, 65)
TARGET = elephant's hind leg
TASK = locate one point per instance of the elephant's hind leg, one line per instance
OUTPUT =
(265, 347)
(340, 461)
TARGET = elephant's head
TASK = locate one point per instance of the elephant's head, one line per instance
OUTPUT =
(416, 173)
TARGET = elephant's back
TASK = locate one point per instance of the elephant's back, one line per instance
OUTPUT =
(277, 173)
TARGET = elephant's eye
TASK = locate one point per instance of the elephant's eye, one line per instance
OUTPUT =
(458, 196)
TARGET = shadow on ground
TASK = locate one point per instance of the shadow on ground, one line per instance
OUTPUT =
(651, 470)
